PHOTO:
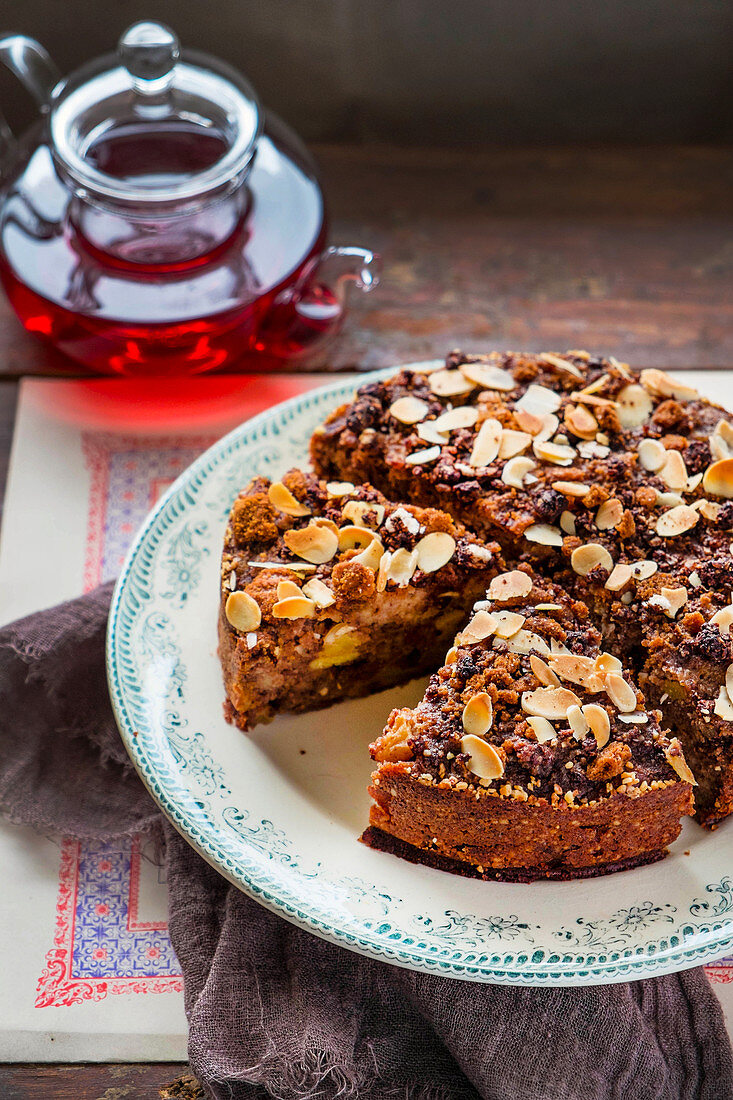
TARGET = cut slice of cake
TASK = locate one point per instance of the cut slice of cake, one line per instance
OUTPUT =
(329, 590)
(532, 754)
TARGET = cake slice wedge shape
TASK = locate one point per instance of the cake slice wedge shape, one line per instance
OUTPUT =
(532, 754)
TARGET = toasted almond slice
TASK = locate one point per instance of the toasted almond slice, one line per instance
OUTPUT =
(674, 471)
(451, 656)
(678, 763)
(482, 625)
(281, 498)
(513, 443)
(643, 570)
(450, 383)
(561, 364)
(556, 453)
(723, 705)
(409, 410)
(384, 564)
(567, 522)
(478, 714)
(652, 454)
(483, 759)
(543, 533)
(354, 536)
(465, 416)
(661, 384)
(710, 509)
(721, 441)
(668, 500)
(571, 488)
(321, 521)
(509, 622)
(692, 483)
(677, 520)
(319, 592)
(620, 576)
(620, 692)
(434, 551)
(313, 544)
(509, 586)
(592, 449)
(549, 702)
(339, 488)
(718, 478)
(543, 672)
(600, 382)
(729, 681)
(578, 723)
(639, 718)
(402, 567)
(609, 515)
(242, 612)
(577, 670)
(599, 722)
(590, 398)
(487, 376)
(528, 422)
(294, 607)
(515, 471)
(581, 422)
(676, 598)
(526, 641)
(723, 619)
(550, 425)
(486, 445)
(423, 457)
(296, 567)
(588, 556)
(426, 430)
(371, 555)
(543, 730)
(538, 400)
(634, 406)
(288, 588)
(606, 662)
(363, 513)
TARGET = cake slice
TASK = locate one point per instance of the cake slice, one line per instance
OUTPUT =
(331, 590)
(532, 754)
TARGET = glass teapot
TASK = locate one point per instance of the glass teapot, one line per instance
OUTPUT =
(154, 222)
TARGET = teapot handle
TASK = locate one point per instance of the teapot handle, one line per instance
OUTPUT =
(37, 73)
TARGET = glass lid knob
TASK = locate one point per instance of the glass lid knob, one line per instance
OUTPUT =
(149, 52)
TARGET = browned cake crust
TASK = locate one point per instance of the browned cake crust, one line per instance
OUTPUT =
(333, 591)
(622, 492)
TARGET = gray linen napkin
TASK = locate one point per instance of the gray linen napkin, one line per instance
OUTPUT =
(276, 1012)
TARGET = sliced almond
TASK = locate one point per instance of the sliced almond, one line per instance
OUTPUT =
(543, 730)
(313, 544)
(513, 443)
(620, 692)
(281, 498)
(465, 416)
(620, 576)
(723, 619)
(483, 759)
(643, 570)
(592, 449)
(486, 445)
(402, 567)
(652, 454)
(515, 471)
(487, 376)
(549, 702)
(355, 537)
(721, 441)
(296, 567)
(363, 513)
(508, 623)
(692, 483)
(242, 612)
(288, 588)
(294, 607)
(510, 586)
(571, 488)
(550, 424)
(321, 521)
(674, 471)
(606, 662)
(434, 551)
(710, 509)
(423, 457)
(609, 515)
(339, 488)
(680, 766)
(668, 500)
(590, 398)
(371, 555)
(319, 592)
(543, 672)
(578, 723)
(581, 422)
(567, 522)
(557, 453)
(526, 641)
(482, 625)
(676, 598)
(588, 556)
(538, 400)
(544, 534)
(450, 383)
(577, 669)
(561, 364)
(599, 722)
(634, 406)
(661, 384)
(677, 520)
(528, 422)
(426, 430)
(729, 681)
(384, 564)
(718, 478)
(723, 705)
(409, 410)
(478, 714)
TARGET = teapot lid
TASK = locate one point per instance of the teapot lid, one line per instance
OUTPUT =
(151, 89)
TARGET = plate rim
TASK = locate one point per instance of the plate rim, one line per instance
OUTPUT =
(630, 964)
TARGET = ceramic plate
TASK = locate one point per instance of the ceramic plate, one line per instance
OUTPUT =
(278, 812)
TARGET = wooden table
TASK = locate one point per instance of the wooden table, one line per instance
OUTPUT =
(624, 251)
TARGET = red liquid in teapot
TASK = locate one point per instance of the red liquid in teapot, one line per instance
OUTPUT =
(135, 306)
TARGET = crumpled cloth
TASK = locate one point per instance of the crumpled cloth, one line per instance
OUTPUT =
(276, 1012)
